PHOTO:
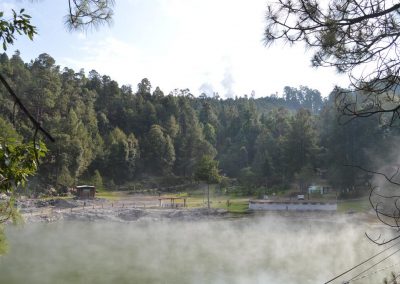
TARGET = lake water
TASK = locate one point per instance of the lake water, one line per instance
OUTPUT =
(252, 250)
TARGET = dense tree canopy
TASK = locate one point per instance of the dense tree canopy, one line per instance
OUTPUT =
(118, 134)
(360, 38)
(18, 159)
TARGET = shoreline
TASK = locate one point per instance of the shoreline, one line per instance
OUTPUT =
(124, 215)
(125, 211)
(55, 210)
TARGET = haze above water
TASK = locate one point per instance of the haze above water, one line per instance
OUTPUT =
(258, 250)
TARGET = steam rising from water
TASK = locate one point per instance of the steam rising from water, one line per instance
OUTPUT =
(260, 250)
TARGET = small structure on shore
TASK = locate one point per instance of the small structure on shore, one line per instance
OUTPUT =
(319, 189)
(298, 205)
(85, 191)
(172, 202)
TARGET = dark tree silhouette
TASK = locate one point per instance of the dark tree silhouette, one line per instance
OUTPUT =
(88, 13)
(360, 38)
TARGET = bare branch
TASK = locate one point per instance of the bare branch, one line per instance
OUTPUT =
(23, 108)
(376, 173)
(352, 36)
(382, 209)
(88, 13)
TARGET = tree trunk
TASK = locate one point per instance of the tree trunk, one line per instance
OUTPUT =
(208, 196)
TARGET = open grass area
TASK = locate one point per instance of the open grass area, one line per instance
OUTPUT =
(230, 201)
(354, 205)
(110, 195)
(194, 199)
(54, 197)
(235, 204)
(238, 205)
(198, 198)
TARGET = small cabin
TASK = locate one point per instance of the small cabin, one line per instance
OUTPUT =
(85, 191)
(318, 189)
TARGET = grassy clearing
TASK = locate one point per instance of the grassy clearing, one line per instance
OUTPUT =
(54, 197)
(194, 199)
(238, 205)
(110, 195)
(354, 205)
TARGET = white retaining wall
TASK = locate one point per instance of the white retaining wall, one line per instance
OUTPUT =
(293, 206)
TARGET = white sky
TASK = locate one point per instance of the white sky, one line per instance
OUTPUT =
(212, 45)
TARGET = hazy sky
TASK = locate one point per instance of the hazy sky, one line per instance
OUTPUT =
(203, 45)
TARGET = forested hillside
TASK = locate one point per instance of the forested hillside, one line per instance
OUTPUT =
(113, 135)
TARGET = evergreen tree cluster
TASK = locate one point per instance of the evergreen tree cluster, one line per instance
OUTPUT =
(114, 134)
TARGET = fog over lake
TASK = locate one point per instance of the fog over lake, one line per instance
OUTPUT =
(250, 250)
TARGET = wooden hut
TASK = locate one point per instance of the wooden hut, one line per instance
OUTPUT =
(85, 191)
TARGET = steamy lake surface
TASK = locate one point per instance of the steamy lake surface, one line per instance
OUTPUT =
(250, 250)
